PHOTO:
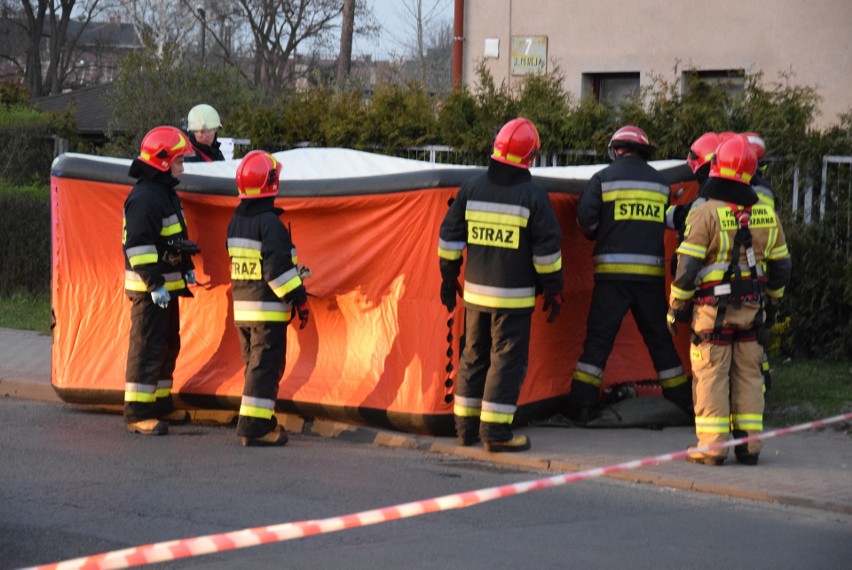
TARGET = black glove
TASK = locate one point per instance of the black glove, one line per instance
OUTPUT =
(671, 321)
(449, 289)
(679, 315)
(179, 250)
(771, 314)
(553, 303)
(304, 314)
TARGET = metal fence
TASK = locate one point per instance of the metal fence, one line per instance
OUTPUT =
(443, 154)
(816, 192)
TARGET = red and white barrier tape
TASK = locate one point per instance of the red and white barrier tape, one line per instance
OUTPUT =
(175, 549)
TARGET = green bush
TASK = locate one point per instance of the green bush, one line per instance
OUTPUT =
(26, 144)
(25, 247)
(13, 93)
(399, 116)
(818, 299)
(544, 101)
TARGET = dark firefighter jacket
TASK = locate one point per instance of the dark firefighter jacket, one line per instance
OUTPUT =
(623, 209)
(263, 264)
(203, 152)
(513, 241)
(763, 188)
(153, 220)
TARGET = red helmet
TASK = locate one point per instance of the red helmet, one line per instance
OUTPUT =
(517, 143)
(734, 160)
(162, 145)
(725, 135)
(758, 145)
(258, 175)
(631, 137)
(702, 150)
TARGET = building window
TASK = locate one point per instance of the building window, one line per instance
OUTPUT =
(610, 88)
(731, 81)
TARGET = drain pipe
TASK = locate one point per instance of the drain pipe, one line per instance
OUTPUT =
(458, 43)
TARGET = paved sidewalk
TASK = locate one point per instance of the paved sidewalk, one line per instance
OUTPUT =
(25, 366)
(811, 469)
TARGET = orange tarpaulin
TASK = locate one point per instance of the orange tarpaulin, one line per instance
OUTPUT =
(376, 347)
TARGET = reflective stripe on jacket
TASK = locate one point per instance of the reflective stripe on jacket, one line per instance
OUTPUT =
(152, 217)
(263, 273)
(624, 210)
(508, 226)
(709, 241)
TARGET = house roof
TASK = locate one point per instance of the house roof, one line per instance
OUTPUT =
(89, 107)
(109, 34)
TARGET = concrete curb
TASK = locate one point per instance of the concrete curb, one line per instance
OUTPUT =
(530, 461)
(28, 390)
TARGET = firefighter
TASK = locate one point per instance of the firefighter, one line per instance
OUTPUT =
(733, 257)
(507, 223)
(202, 127)
(765, 195)
(623, 210)
(761, 185)
(158, 268)
(698, 160)
(700, 154)
(267, 287)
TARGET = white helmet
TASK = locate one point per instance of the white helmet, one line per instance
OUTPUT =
(202, 117)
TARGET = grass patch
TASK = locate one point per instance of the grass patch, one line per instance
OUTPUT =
(26, 311)
(808, 390)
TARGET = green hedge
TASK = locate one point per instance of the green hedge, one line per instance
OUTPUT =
(818, 300)
(25, 247)
(26, 145)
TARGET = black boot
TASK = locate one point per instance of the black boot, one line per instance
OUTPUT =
(584, 404)
(276, 438)
(467, 430)
(681, 396)
(581, 413)
(517, 443)
(498, 437)
(741, 450)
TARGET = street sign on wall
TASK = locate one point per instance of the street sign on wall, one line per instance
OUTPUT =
(529, 55)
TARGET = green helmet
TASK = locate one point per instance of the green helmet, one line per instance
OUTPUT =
(202, 117)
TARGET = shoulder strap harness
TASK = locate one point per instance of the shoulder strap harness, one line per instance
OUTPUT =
(733, 289)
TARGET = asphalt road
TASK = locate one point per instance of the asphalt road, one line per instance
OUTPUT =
(74, 483)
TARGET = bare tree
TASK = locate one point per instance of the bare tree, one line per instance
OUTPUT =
(279, 27)
(160, 24)
(425, 38)
(344, 59)
(38, 42)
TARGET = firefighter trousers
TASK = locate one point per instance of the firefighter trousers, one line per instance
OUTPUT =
(264, 350)
(151, 356)
(492, 368)
(646, 300)
(728, 392)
